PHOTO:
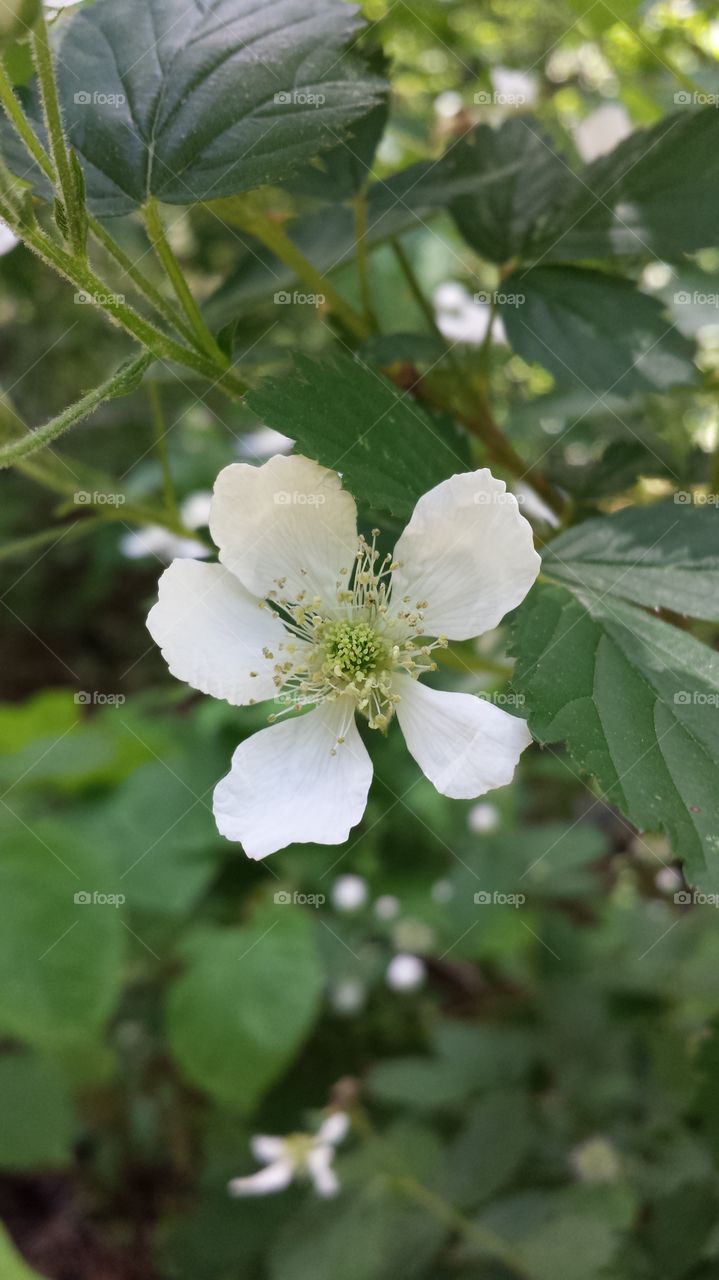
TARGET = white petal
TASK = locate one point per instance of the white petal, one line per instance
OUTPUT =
(468, 552)
(275, 1177)
(289, 519)
(266, 1147)
(334, 1129)
(286, 785)
(212, 632)
(319, 1164)
(463, 744)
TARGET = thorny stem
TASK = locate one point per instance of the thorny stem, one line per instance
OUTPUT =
(66, 174)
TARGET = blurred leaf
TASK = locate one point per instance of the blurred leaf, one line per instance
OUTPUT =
(13, 1266)
(37, 1122)
(388, 448)
(245, 1003)
(493, 1142)
(594, 329)
(566, 1233)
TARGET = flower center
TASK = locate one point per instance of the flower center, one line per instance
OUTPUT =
(353, 650)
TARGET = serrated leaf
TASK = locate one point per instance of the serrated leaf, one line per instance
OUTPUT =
(192, 101)
(389, 449)
(652, 196)
(246, 1000)
(663, 557)
(594, 330)
(636, 701)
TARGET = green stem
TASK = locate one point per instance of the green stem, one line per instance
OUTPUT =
(174, 272)
(36, 541)
(273, 235)
(159, 433)
(139, 279)
(359, 205)
(20, 123)
(422, 302)
(487, 1240)
(122, 382)
(66, 174)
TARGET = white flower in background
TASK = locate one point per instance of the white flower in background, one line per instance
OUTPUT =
(263, 443)
(349, 893)
(483, 818)
(154, 540)
(299, 1155)
(460, 318)
(406, 972)
(442, 891)
(348, 996)
(668, 880)
(8, 239)
(602, 131)
(515, 88)
(596, 1160)
(387, 907)
(303, 610)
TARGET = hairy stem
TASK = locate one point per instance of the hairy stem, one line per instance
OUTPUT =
(175, 275)
(65, 172)
(487, 1240)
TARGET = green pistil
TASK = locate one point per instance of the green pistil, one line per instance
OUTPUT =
(353, 650)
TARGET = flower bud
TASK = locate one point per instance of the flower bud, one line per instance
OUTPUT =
(17, 17)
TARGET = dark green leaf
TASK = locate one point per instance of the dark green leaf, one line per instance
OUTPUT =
(36, 1114)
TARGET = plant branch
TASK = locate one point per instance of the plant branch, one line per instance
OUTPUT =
(67, 172)
(486, 1239)
(175, 275)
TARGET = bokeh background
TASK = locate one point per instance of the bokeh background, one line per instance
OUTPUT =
(544, 1065)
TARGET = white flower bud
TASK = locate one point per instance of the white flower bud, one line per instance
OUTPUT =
(349, 893)
(406, 972)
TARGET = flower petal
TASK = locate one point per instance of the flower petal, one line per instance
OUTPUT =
(324, 1178)
(463, 744)
(289, 519)
(334, 1129)
(293, 782)
(266, 1147)
(265, 1182)
(212, 632)
(468, 552)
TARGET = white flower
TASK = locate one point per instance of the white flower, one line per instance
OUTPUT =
(483, 818)
(301, 609)
(462, 318)
(405, 972)
(602, 131)
(305, 1155)
(349, 893)
(155, 540)
(387, 907)
(8, 239)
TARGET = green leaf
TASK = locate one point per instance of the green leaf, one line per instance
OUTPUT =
(663, 557)
(566, 1233)
(36, 1113)
(594, 330)
(499, 222)
(494, 1140)
(12, 1265)
(188, 102)
(653, 196)
(245, 1003)
(636, 701)
(61, 958)
(349, 418)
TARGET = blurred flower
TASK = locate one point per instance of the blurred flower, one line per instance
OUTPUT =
(595, 1160)
(303, 610)
(517, 88)
(483, 818)
(387, 907)
(668, 880)
(602, 131)
(349, 893)
(154, 540)
(304, 1155)
(263, 443)
(413, 935)
(460, 318)
(442, 891)
(8, 239)
(406, 972)
(348, 996)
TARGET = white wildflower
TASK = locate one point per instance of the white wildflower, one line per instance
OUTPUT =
(298, 1155)
(406, 972)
